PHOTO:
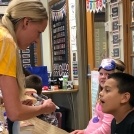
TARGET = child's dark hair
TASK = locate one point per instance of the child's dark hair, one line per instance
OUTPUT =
(34, 81)
(125, 83)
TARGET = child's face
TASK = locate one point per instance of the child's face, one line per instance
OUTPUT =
(103, 76)
(110, 98)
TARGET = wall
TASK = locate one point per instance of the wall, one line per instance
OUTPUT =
(46, 52)
(2, 9)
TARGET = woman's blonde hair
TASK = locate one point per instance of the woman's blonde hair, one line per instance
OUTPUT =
(17, 10)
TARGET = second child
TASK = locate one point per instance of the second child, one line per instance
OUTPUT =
(117, 98)
(35, 82)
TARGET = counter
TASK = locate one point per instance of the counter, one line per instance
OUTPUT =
(59, 91)
(40, 127)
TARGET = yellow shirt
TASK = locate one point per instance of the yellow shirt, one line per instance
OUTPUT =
(7, 53)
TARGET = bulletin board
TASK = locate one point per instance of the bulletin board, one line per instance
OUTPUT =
(59, 37)
(115, 28)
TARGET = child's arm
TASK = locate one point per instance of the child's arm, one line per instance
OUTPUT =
(105, 127)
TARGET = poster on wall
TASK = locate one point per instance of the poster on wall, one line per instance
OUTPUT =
(115, 11)
(116, 52)
(71, 10)
(116, 39)
(73, 37)
(95, 5)
(59, 38)
(115, 25)
(75, 70)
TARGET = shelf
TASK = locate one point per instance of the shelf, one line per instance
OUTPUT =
(60, 91)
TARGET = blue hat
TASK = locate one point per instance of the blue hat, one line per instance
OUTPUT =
(107, 64)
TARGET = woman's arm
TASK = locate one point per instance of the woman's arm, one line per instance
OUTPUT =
(14, 108)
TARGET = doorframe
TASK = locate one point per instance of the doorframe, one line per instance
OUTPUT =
(82, 97)
(90, 50)
(127, 38)
(128, 55)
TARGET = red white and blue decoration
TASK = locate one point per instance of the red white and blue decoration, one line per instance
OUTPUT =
(95, 5)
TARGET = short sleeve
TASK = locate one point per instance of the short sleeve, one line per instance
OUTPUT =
(7, 56)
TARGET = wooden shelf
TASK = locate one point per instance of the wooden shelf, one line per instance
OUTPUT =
(59, 91)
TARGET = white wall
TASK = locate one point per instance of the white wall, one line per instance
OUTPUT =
(46, 52)
(2, 9)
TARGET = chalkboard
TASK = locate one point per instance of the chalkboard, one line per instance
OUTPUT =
(59, 37)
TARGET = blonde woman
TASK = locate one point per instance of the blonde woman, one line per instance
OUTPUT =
(21, 25)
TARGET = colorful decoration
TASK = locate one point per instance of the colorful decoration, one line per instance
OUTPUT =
(58, 14)
(95, 5)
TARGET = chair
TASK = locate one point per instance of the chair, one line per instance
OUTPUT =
(59, 118)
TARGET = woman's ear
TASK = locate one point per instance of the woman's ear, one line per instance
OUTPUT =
(25, 22)
(125, 97)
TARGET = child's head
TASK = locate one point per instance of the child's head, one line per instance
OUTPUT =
(35, 82)
(118, 92)
(120, 65)
(106, 67)
(109, 66)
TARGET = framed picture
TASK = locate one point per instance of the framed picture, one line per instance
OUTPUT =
(115, 11)
(116, 39)
(115, 25)
(26, 61)
(116, 52)
(114, 1)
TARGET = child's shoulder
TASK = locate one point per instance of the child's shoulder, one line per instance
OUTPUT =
(130, 116)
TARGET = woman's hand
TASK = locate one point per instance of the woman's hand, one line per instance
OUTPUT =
(77, 132)
(27, 102)
(48, 106)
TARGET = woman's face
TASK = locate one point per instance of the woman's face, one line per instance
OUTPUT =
(28, 32)
(103, 76)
